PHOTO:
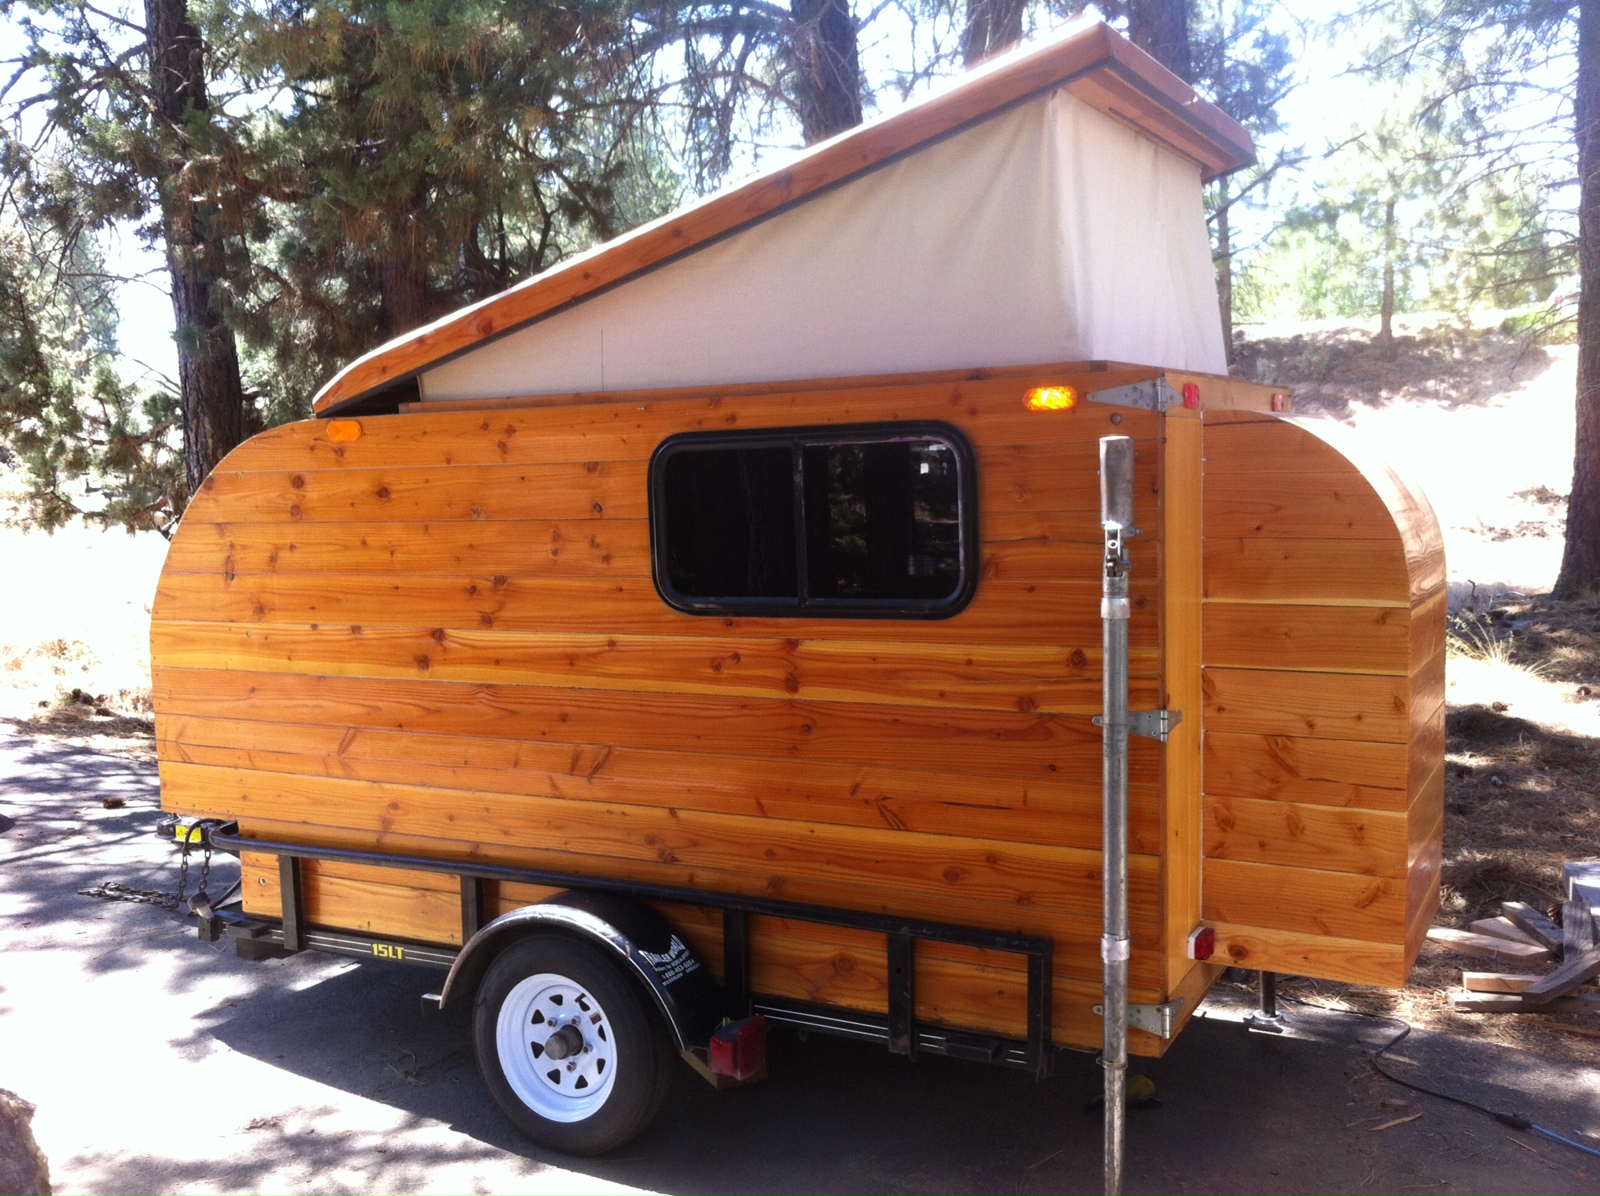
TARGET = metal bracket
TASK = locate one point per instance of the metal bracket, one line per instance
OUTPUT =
(1153, 724)
(1159, 1020)
(1156, 394)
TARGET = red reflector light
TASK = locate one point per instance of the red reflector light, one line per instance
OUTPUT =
(1191, 396)
(1279, 403)
(1202, 943)
(739, 1049)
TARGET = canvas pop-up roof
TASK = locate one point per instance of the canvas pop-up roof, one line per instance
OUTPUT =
(1046, 209)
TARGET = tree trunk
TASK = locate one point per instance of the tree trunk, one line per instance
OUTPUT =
(827, 90)
(211, 394)
(1161, 29)
(1224, 260)
(402, 288)
(992, 25)
(1386, 321)
(1580, 563)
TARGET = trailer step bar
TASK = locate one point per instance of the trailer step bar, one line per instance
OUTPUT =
(898, 1029)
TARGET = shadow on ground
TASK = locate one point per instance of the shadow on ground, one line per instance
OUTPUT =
(1241, 1111)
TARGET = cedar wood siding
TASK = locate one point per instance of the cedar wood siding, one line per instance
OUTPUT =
(443, 639)
(1324, 630)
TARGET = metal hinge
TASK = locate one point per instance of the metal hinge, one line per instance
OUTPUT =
(1159, 1020)
(1153, 724)
(1156, 394)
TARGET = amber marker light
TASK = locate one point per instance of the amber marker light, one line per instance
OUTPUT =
(344, 429)
(1052, 398)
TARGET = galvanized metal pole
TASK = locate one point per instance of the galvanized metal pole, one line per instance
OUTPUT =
(1116, 519)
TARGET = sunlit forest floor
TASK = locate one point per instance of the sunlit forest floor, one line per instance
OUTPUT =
(1479, 416)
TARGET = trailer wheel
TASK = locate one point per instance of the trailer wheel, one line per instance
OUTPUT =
(571, 1049)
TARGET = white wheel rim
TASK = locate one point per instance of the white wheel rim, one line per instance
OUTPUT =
(568, 1089)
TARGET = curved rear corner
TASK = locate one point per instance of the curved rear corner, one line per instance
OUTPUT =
(1323, 653)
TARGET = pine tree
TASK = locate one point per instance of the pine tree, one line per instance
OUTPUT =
(73, 433)
(1244, 68)
(129, 115)
(1492, 53)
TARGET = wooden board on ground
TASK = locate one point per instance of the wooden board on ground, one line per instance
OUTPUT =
(1481, 946)
(1470, 1002)
(1577, 970)
(1504, 928)
(1496, 982)
(1540, 928)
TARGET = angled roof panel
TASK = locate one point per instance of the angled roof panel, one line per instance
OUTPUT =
(1091, 62)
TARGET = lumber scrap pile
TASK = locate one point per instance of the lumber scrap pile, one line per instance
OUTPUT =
(1523, 937)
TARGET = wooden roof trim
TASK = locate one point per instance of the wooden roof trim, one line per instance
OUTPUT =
(1091, 60)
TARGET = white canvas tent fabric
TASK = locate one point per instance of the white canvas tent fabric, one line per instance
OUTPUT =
(1049, 232)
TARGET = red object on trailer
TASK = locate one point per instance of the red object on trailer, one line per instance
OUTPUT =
(739, 1049)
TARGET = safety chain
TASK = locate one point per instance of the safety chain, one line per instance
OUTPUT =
(200, 903)
(201, 896)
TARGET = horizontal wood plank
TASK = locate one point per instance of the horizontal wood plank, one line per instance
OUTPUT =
(1326, 505)
(1322, 572)
(593, 836)
(1016, 612)
(1305, 900)
(1027, 678)
(1299, 954)
(1044, 746)
(382, 902)
(1009, 478)
(1342, 639)
(1061, 814)
(1293, 835)
(1026, 547)
(524, 548)
(1324, 772)
(1313, 705)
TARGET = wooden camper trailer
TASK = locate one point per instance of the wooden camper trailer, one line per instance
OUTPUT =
(727, 581)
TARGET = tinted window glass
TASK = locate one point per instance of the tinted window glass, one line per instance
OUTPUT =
(731, 511)
(882, 520)
(876, 520)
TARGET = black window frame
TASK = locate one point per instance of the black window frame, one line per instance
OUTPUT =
(798, 439)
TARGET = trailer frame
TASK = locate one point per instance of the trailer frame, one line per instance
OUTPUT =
(898, 1028)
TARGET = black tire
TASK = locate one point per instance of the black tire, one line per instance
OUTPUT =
(587, 1099)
